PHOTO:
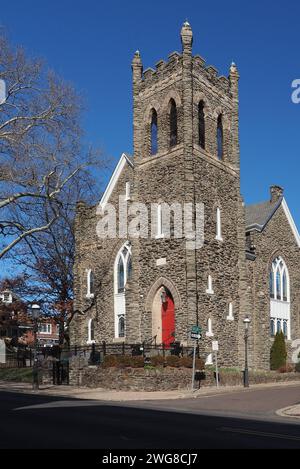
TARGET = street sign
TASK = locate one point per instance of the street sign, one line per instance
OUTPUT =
(196, 332)
(215, 346)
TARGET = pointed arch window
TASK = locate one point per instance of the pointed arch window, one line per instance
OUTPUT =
(220, 137)
(154, 133)
(284, 286)
(279, 280)
(121, 326)
(122, 274)
(279, 298)
(201, 124)
(272, 285)
(173, 123)
(272, 327)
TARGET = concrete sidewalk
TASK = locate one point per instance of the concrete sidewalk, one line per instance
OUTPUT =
(101, 394)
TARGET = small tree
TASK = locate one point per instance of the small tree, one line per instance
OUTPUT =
(278, 352)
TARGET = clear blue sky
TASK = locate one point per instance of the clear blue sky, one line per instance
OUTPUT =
(91, 43)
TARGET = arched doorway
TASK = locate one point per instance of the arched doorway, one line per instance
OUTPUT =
(163, 317)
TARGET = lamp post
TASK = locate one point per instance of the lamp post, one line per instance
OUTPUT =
(246, 336)
(35, 314)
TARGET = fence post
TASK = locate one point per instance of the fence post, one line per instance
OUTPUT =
(123, 348)
(104, 347)
(163, 347)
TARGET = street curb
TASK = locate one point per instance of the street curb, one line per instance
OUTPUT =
(282, 412)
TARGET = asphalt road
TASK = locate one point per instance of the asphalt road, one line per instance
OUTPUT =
(33, 421)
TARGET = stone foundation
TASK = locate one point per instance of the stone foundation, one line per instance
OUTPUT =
(162, 378)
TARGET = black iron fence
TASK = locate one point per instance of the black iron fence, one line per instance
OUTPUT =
(17, 357)
(23, 357)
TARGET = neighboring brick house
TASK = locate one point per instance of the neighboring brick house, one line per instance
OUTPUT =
(186, 150)
(16, 324)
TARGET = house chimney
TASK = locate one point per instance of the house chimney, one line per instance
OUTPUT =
(276, 193)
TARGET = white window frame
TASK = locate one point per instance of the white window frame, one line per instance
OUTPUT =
(209, 332)
(88, 284)
(230, 316)
(219, 225)
(209, 289)
(280, 309)
(90, 340)
(6, 299)
(48, 327)
(119, 297)
(160, 233)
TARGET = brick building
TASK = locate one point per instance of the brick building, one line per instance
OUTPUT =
(16, 323)
(153, 288)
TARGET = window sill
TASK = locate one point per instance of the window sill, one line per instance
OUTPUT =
(219, 238)
(230, 318)
(90, 342)
(209, 334)
(210, 292)
(118, 340)
(160, 236)
(89, 295)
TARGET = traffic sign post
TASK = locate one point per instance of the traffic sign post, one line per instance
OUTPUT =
(215, 348)
(195, 335)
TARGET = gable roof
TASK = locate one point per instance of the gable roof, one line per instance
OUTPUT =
(258, 215)
(125, 159)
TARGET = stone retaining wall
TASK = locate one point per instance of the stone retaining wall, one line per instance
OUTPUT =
(161, 379)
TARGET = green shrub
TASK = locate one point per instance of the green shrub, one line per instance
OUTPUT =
(278, 352)
(21, 375)
(297, 367)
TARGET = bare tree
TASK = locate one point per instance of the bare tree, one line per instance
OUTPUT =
(41, 153)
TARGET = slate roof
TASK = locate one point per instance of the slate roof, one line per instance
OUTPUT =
(258, 215)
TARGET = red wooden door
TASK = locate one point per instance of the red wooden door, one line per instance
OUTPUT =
(168, 321)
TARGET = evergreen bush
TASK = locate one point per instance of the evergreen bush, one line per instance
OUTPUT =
(278, 352)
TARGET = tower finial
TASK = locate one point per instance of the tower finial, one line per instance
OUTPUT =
(186, 37)
(137, 66)
(233, 68)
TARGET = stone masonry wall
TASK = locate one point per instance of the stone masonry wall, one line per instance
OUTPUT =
(277, 239)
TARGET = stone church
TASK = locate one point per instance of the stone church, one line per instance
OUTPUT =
(152, 288)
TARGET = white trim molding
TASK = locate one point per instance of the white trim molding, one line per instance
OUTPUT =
(209, 289)
(113, 180)
(89, 293)
(230, 316)
(91, 331)
(219, 225)
(291, 221)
